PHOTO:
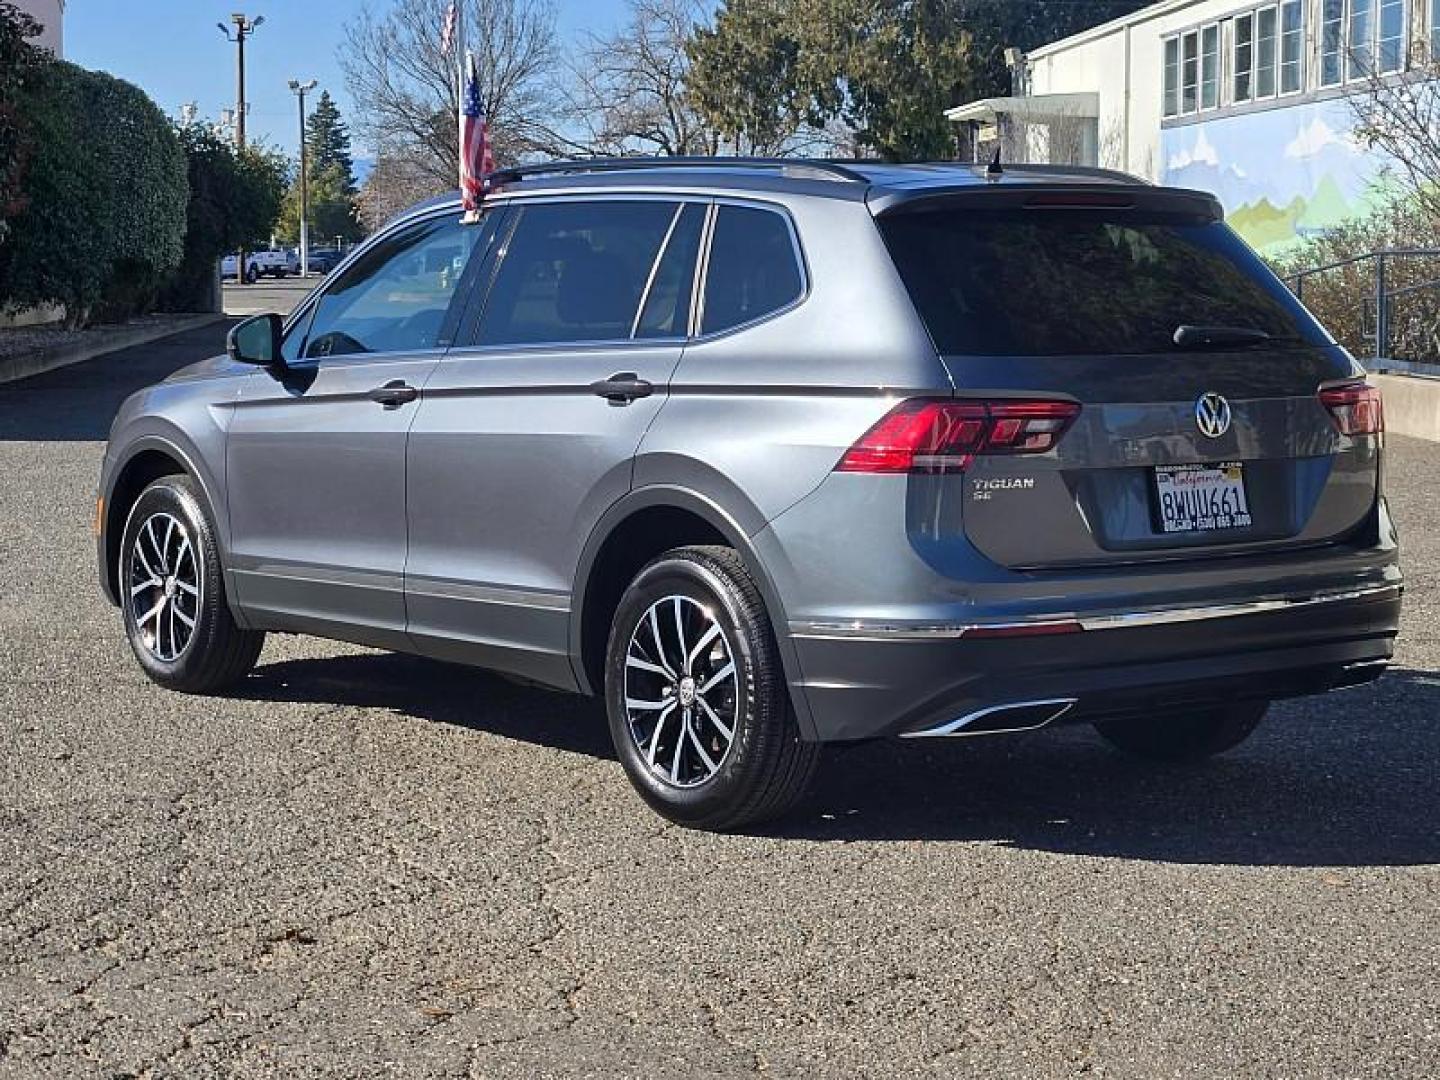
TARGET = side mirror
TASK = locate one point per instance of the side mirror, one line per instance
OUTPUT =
(256, 341)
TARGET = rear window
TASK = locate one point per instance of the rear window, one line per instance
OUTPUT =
(1018, 282)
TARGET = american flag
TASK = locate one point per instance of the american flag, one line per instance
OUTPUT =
(476, 160)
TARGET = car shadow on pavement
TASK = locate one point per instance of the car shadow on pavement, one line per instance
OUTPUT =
(78, 403)
(1347, 779)
(445, 693)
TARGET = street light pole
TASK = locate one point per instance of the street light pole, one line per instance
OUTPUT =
(300, 90)
(244, 27)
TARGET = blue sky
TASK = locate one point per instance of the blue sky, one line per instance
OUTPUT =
(172, 50)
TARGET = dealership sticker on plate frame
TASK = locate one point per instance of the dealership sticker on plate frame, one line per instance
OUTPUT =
(1201, 498)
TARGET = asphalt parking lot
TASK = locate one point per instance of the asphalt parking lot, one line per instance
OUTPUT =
(368, 865)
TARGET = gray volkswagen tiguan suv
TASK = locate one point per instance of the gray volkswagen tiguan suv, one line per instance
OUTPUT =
(772, 454)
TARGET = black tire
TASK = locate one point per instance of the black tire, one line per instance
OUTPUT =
(252, 275)
(171, 514)
(765, 767)
(1187, 736)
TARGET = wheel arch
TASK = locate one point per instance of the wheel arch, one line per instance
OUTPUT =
(644, 524)
(146, 460)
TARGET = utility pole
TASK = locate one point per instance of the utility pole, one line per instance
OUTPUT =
(244, 27)
(300, 90)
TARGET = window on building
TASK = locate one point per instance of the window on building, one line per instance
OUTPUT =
(1210, 66)
(1265, 52)
(1292, 46)
(1390, 49)
(1358, 53)
(1172, 76)
(1332, 41)
(1190, 72)
(1244, 56)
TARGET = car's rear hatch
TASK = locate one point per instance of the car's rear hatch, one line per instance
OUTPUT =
(1215, 444)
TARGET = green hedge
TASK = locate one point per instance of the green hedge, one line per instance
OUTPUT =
(234, 199)
(105, 194)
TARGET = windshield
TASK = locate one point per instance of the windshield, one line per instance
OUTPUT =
(1017, 282)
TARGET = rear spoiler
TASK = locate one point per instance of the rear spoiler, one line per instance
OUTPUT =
(1020, 195)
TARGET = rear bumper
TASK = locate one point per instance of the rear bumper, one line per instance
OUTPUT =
(865, 679)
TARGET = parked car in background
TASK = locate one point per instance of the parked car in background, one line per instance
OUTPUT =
(771, 454)
(258, 264)
(322, 260)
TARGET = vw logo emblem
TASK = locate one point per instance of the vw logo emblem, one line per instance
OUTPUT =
(1212, 415)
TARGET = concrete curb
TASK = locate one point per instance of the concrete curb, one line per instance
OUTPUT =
(96, 344)
(1412, 405)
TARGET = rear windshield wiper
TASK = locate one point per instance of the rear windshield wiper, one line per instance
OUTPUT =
(1218, 337)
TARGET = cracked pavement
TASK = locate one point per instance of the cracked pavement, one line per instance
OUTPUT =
(364, 864)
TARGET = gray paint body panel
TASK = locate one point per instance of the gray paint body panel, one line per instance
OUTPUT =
(464, 525)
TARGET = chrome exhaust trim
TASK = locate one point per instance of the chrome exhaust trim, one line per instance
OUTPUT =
(980, 722)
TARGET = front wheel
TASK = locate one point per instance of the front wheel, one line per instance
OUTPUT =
(1187, 736)
(699, 710)
(172, 593)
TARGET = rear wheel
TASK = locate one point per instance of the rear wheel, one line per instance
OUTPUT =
(699, 710)
(1187, 736)
(172, 593)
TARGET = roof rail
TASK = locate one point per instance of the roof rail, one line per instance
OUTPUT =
(799, 167)
(1017, 166)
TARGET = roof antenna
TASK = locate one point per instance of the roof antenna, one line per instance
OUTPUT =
(994, 171)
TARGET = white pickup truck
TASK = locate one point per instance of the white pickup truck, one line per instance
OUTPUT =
(257, 263)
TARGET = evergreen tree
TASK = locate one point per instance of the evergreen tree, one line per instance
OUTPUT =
(327, 142)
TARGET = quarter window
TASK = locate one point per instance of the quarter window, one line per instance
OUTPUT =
(395, 297)
(752, 271)
(667, 306)
(575, 271)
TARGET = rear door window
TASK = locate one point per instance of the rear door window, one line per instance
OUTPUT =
(753, 271)
(575, 271)
(1002, 282)
(667, 306)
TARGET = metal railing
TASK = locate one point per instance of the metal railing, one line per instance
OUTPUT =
(1378, 309)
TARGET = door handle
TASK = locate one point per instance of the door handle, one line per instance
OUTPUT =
(394, 394)
(622, 388)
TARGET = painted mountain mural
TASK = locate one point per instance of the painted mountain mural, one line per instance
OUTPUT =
(1282, 174)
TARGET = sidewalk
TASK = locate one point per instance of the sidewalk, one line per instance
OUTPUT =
(30, 350)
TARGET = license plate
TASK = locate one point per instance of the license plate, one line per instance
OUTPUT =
(1201, 498)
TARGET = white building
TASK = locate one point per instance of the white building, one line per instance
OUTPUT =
(1244, 99)
(50, 14)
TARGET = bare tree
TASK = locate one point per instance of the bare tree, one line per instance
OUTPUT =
(628, 89)
(404, 84)
(1399, 115)
(395, 183)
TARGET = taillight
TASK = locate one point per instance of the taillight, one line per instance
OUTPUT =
(1356, 408)
(929, 435)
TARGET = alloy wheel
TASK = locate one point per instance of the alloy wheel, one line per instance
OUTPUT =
(164, 586)
(680, 691)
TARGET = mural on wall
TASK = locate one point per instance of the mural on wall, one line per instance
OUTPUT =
(1281, 174)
